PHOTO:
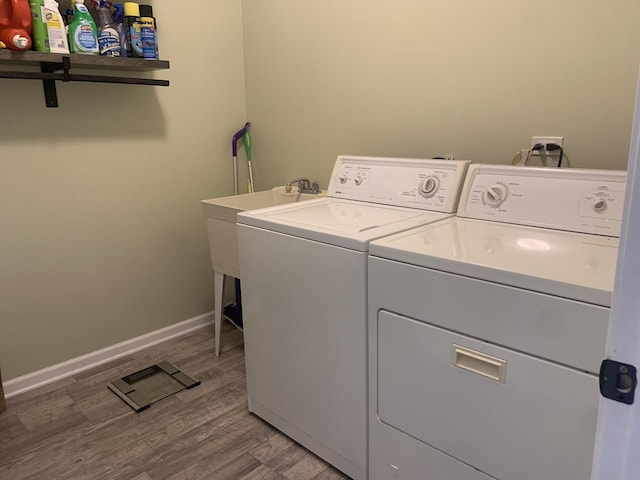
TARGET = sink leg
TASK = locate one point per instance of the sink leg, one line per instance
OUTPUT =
(218, 279)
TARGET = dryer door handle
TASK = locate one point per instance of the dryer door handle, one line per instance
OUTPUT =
(477, 362)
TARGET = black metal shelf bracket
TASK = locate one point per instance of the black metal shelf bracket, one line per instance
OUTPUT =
(50, 93)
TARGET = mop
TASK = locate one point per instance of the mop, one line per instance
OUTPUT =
(233, 312)
(244, 134)
(246, 139)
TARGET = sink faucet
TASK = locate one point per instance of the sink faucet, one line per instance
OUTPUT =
(304, 186)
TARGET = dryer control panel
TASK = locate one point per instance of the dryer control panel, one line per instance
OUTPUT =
(428, 184)
(578, 200)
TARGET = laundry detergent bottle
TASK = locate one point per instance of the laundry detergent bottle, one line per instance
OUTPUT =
(82, 31)
(15, 24)
(49, 33)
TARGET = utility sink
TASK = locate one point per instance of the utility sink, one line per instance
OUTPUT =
(220, 214)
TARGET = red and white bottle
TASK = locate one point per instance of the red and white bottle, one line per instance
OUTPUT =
(15, 24)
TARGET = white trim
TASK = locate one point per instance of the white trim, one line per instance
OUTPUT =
(50, 374)
(618, 433)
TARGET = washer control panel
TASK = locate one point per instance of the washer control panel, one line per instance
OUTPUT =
(579, 200)
(428, 184)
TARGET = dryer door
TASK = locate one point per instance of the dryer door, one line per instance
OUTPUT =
(510, 415)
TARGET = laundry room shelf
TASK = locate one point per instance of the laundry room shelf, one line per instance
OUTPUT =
(56, 67)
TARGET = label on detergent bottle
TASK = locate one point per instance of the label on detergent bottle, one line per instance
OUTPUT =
(109, 42)
(84, 38)
(135, 35)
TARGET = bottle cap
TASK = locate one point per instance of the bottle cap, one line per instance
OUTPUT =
(131, 9)
(146, 11)
(20, 41)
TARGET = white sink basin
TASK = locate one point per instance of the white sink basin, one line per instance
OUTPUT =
(220, 214)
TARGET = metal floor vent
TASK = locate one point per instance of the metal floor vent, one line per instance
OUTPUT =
(140, 389)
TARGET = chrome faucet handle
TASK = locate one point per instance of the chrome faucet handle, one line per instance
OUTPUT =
(304, 185)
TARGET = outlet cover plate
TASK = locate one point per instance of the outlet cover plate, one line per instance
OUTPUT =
(546, 140)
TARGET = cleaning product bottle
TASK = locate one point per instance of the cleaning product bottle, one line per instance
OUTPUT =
(148, 33)
(82, 31)
(15, 24)
(39, 36)
(49, 33)
(108, 36)
(68, 17)
(118, 18)
(133, 42)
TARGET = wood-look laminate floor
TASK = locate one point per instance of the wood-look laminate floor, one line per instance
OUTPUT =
(77, 429)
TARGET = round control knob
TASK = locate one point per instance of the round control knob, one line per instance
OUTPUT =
(429, 186)
(343, 179)
(495, 195)
(358, 180)
(600, 205)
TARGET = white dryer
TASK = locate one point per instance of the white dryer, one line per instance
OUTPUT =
(304, 272)
(486, 330)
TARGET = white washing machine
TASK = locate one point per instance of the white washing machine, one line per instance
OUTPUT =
(304, 272)
(486, 330)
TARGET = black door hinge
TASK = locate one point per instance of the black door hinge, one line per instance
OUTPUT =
(618, 381)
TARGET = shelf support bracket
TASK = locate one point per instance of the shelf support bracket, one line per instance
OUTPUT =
(50, 93)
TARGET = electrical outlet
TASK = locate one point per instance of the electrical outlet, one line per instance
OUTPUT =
(546, 141)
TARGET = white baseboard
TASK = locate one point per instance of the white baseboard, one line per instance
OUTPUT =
(32, 380)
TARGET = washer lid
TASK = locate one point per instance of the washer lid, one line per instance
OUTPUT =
(566, 264)
(345, 223)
